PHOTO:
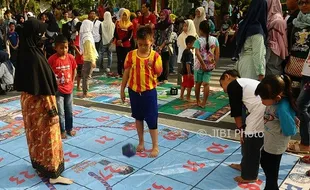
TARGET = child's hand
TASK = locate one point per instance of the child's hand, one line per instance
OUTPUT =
(119, 42)
(123, 96)
(190, 75)
(204, 67)
(54, 120)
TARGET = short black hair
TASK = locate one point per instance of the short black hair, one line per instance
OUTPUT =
(190, 39)
(145, 32)
(60, 39)
(78, 26)
(232, 72)
(148, 5)
(75, 12)
(7, 12)
(92, 11)
(11, 23)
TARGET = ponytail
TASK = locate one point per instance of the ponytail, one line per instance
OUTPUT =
(288, 91)
(205, 28)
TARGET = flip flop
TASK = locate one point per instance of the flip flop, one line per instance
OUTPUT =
(296, 149)
(305, 159)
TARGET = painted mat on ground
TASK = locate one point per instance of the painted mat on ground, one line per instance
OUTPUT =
(94, 158)
(107, 90)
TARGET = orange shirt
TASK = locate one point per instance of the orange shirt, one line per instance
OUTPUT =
(143, 71)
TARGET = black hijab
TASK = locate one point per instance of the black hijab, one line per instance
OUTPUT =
(52, 24)
(33, 73)
(255, 22)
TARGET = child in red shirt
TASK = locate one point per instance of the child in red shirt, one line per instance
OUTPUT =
(64, 67)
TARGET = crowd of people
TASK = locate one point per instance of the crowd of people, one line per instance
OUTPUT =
(272, 71)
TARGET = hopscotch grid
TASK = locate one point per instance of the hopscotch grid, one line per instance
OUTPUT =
(142, 168)
(217, 167)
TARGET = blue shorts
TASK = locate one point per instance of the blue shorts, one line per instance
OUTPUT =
(144, 107)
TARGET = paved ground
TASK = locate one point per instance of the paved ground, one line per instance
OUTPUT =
(224, 127)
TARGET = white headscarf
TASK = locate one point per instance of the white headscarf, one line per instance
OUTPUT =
(86, 33)
(120, 13)
(191, 31)
(202, 17)
(108, 28)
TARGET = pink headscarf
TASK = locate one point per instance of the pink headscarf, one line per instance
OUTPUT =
(277, 38)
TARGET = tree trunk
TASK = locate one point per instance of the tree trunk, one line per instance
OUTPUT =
(8, 4)
(24, 7)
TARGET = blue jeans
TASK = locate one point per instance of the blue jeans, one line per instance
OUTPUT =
(64, 105)
(303, 103)
(104, 49)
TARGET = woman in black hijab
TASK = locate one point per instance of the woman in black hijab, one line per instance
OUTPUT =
(35, 79)
(253, 33)
(51, 32)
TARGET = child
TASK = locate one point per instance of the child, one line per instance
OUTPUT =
(241, 95)
(187, 68)
(280, 124)
(13, 42)
(64, 67)
(142, 66)
(207, 55)
(78, 56)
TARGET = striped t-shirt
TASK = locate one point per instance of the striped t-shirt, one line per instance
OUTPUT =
(143, 71)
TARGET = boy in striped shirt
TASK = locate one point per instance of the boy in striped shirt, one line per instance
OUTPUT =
(142, 66)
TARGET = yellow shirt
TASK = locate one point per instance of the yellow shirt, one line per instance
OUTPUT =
(89, 52)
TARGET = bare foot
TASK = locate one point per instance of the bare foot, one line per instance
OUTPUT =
(79, 89)
(181, 98)
(154, 153)
(71, 133)
(202, 105)
(63, 135)
(88, 96)
(235, 166)
(61, 180)
(140, 148)
(239, 179)
(189, 100)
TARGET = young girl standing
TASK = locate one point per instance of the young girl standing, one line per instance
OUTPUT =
(280, 124)
(207, 55)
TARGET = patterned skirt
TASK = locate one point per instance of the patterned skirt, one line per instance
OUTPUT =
(43, 139)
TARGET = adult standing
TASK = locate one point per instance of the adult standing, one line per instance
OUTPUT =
(88, 49)
(292, 6)
(299, 57)
(108, 28)
(163, 41)
(96, 32)
(38, 104)
(200, 15)
(277, 39)
(251, 40)
(147, 17)
(64, 20)
(211, 10)
(123, 34)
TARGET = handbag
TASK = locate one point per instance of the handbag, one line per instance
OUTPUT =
(294, 66)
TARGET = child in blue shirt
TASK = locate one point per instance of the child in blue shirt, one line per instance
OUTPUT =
(280, 124)
(13, 39)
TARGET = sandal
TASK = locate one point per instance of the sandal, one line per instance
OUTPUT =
(305, 159)
(71, 133)
(295, 148)
(63, 135)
